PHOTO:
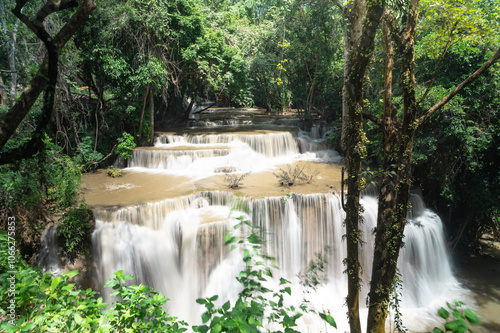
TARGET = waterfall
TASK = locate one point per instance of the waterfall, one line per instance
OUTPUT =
(49, 257)
(177, 247)
(267, 144)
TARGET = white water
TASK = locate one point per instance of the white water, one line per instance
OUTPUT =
(202, 156)
(176, 246)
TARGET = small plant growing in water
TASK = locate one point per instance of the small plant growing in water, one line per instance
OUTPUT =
(234, 181)
(298, 173)
(114, 172)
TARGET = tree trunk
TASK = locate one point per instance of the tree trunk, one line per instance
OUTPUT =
(10, 41)
(152, 115)
(363, 25)
(3, 93)
(343, 133)
(142, 110)
(396, 181)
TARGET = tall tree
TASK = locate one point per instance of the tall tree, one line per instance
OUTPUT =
(398, 131)
(363, 18)
(398, 135)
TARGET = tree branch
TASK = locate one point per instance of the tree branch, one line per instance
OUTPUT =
(374, 119)
(390, 20)
(455, 91)
(344, 10)
(20, 109)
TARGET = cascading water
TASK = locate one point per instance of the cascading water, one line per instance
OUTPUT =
(177, 245)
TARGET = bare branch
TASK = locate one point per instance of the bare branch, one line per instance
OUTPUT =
(341, 7)
(50, 7)
(455, 91)
(374, 119)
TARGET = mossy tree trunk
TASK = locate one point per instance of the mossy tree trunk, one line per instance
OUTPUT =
(395, 181)
(363, 19)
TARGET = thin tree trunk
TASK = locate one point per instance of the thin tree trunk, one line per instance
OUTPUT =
(363, 22)
(344, 92)
(152, 115)
(142, 110)
(10, 41)
(3, 93)
(395, 190)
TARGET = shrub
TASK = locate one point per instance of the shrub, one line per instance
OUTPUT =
(114, 172)
(74, 229)
(125, 146)
(234, 181)
(298, 173)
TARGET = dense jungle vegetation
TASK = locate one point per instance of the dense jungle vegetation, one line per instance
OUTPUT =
(134, 66)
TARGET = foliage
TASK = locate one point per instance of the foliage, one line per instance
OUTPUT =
(459, 321)
(114, 172)
(139, 308)
(34, 189)
(52, 304)
(315, 274)
(395, 303)
(234, 181)
(87, 154)
(125, 146)
(74, 229)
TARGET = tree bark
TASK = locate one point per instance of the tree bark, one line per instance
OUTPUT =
(142, 110)
(152, 115)
(396, 180)
(43, 80)
(363, 21)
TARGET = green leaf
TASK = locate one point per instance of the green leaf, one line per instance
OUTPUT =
(71, 274)
(437, 330)
(471, 317)
(329, 319)
(28, 327)
(201, 328)
(205, 317)
(8, 327)
(217, 328)
(443, 313)
(457, 314)
(226, 306)
(54, 283)
(254, 239)
(456, 326)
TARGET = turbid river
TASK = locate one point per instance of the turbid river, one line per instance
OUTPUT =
(165, 220)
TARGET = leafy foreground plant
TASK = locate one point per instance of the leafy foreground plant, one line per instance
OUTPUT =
(46, 304)
(459, 320)
(257, 308)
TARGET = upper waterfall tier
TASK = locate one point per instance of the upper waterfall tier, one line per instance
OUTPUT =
(267, 144)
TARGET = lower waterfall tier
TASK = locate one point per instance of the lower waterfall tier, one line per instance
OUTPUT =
(177, 247)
